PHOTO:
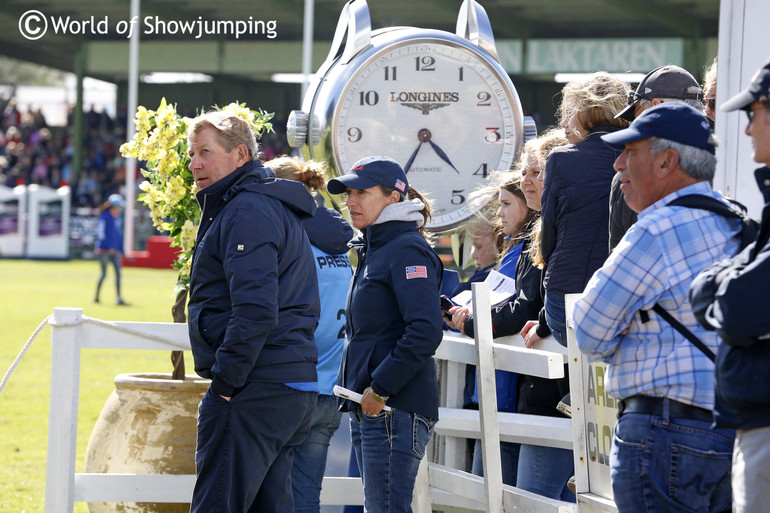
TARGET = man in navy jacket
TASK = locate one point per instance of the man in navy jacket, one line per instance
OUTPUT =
(253, 309)
(740, 315)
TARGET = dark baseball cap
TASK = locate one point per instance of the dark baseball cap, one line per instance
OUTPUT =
(668, 81)
(675, 121)
(369, 172)
(760, 86)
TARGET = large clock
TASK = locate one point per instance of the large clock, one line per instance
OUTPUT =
(438, 103)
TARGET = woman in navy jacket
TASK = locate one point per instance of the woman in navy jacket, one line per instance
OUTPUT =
(393, 327)
(576, 192)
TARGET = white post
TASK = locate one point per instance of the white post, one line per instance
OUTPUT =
(307, 45)
(454, 384)
(485, 372)
(133, 100)
(63, 410)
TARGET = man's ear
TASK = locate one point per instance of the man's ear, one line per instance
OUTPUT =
(666, 162)
(242, 152)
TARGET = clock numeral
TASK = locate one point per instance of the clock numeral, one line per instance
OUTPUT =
(457, 198)
(483, 170)
(493, 135)
(484, 99)
(390, 73)
(369, 98)
(426, 63)
(354, 134)
(462, 71)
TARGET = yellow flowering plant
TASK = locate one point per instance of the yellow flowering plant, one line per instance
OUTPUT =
(169, 189)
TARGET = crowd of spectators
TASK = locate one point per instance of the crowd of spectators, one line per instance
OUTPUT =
(32, 152)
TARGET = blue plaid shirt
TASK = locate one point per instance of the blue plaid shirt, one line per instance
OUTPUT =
(655, 263)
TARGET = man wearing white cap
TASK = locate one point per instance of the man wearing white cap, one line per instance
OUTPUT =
(740, 314)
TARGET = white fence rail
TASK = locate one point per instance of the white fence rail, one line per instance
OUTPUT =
(440, 486)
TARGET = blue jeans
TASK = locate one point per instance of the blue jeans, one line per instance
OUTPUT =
(661, 464)
(243, 458)
(555, 317)
(310, 458)
(545, 471)
(104, 260)
(509, 460)
(389, 447)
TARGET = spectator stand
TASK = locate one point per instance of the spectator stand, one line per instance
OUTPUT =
(442, 485)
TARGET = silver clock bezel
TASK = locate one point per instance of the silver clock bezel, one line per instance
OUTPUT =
(325, 94)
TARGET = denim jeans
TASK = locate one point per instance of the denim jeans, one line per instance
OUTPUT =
(244, 454)
(389, 447)
(104, 260)
(509, 460)
(555, 317)
(545, 471)
(310, 458)
(661, 464)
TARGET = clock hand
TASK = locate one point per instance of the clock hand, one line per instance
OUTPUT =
(411, 159)
(424, 136)
(443, 155)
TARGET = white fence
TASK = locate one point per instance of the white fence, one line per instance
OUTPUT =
(440, 486)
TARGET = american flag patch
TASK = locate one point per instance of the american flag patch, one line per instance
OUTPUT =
(400, 185)
(416, 271)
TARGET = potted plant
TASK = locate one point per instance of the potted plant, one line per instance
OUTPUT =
(148, 424)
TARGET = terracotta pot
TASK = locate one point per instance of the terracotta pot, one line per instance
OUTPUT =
(147, 426)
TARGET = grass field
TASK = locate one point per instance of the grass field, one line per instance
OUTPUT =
(29, 291)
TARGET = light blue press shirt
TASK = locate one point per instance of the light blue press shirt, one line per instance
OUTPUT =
(655, 262)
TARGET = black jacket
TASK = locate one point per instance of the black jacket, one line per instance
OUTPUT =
(742, 316)
(575, 215)
(253, 289)
(621, 215)
(393, 319)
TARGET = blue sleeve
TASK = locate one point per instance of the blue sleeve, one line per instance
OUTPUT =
(632, 278)
(417, 299)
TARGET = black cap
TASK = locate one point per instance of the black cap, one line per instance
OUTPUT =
(675, 121)
(760, 86)
(668, 81)
(369, 172)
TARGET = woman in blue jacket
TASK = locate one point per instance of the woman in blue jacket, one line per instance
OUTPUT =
(393, 327)
(109, 242)
(329, 234)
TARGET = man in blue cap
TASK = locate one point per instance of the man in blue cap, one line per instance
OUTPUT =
(741, 316)
(665, 456)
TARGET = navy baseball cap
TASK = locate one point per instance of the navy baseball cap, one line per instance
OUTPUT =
(369, 172)
(760, 86)
(667, 82)
(675, 121)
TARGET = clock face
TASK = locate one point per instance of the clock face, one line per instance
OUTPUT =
(441, 110)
